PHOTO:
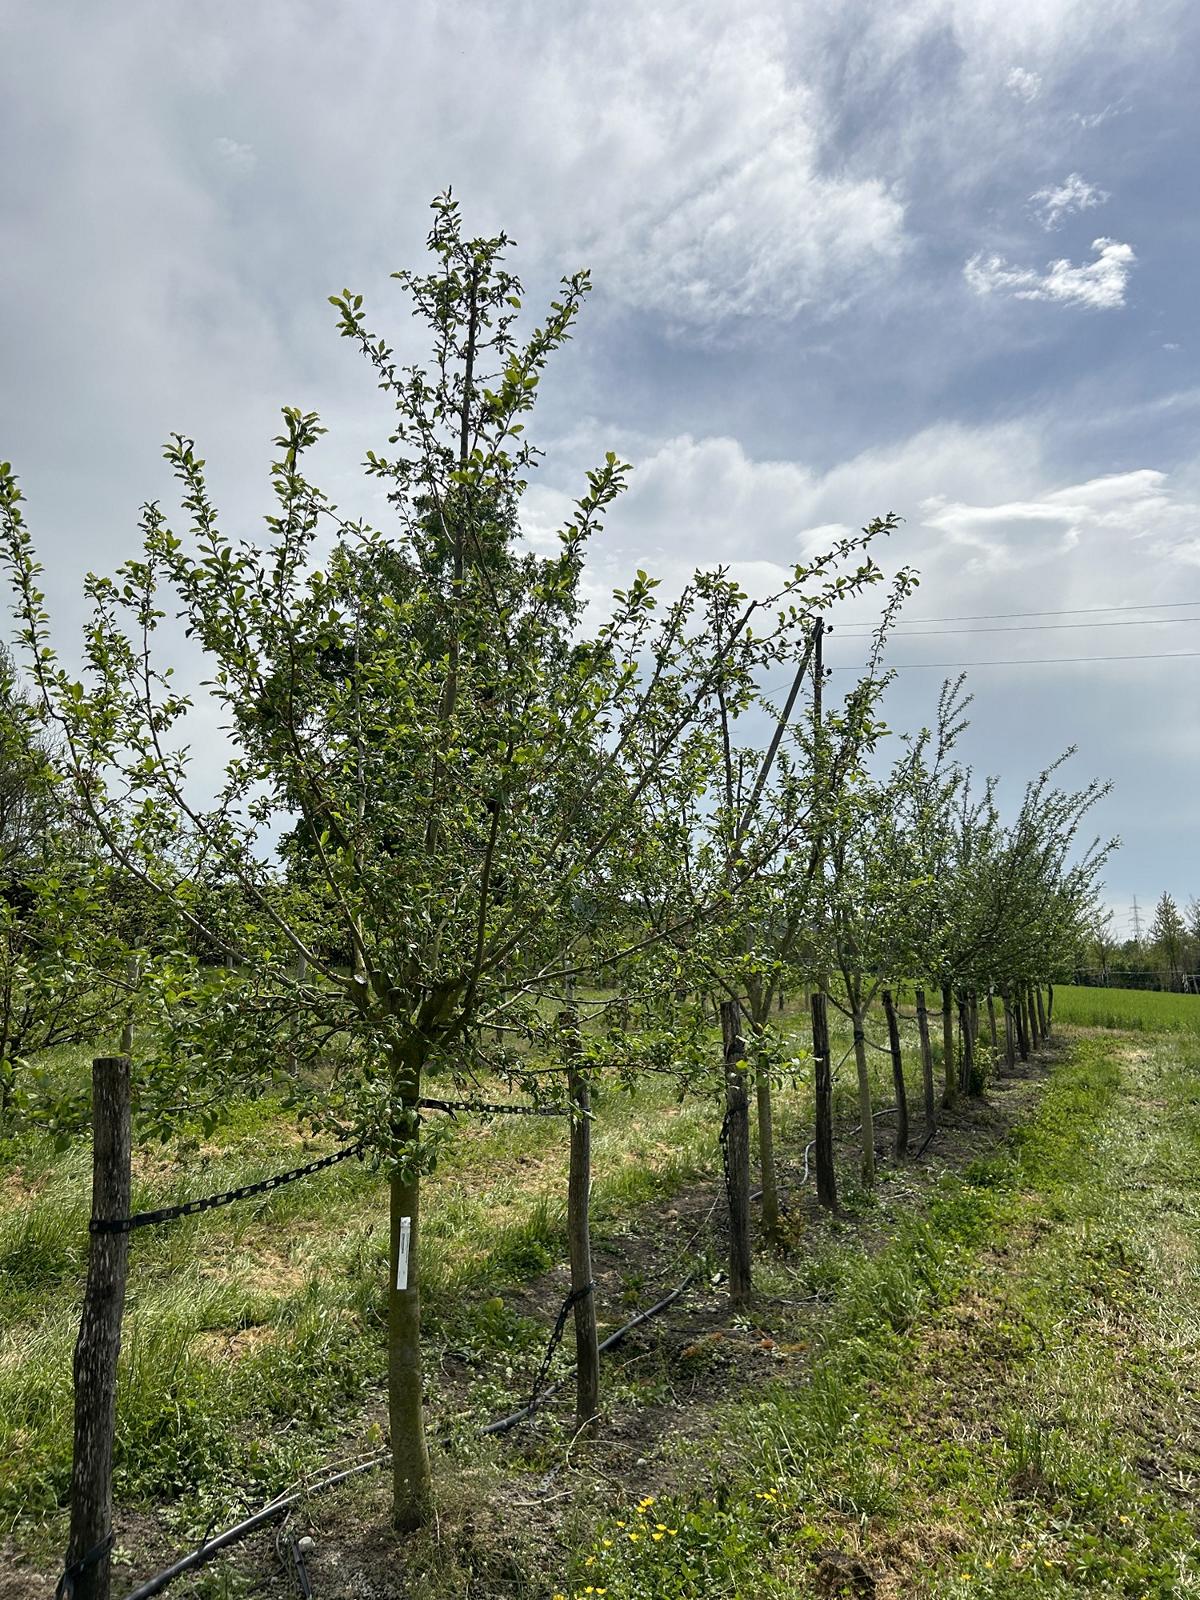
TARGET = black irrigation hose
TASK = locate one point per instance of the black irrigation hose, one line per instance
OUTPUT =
(241, 1530)
(504, 1424)
(275, 1508)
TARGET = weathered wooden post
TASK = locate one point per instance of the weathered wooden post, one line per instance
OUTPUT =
(893, 1028)
(1019, 1018)
(966, 1069)
(1043, 1028)
(1010, 1041)
(926, 1062)
(98, 1347)
(766, 1145)
(950, 1092)
(579, 1188)
(823, 1094)
(735, 1151)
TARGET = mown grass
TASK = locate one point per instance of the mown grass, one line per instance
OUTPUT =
(995, 1407)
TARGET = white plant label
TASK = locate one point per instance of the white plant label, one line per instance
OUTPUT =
(402, 1254)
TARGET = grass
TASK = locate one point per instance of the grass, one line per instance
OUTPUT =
(254, 1334)
(1139, 1010)
(1002, 1403)
(254, 1346)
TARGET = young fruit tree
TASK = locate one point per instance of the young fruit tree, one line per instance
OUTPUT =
(469, 766)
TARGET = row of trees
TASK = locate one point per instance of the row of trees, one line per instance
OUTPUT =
(1164, 956)
(489, 794)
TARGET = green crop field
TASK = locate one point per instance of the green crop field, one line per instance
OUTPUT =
(1143, 1010)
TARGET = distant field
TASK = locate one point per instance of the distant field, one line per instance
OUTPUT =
(1142, 1009)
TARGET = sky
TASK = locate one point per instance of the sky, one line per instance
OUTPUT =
(933, 257)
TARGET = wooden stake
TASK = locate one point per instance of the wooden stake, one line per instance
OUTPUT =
(950, 1093)
(1019, 1018)
(926, 1062)
(893, 1028)
(579, 1188)
(98, 1346)
(823, 1086)
(1010, 1042)
(736, 1152)
(766, 1146)
(966, 1069)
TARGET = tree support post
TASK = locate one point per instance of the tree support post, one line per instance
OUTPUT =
(866, 1115)
(823, 1090)
(579, 1188)
(98, 1347)
(766, 1146)
(1019, 1019)
(893, 1028)
(735, 1146)
(926, 1063)
(951, 1090)
(412, 1483)
(966, 1071)
(1010, 1042)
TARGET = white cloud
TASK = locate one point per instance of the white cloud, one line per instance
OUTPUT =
(1096, 119)
(1025, 85)
(980, 514)
(240, 157)
(1099, 284)
(1056, 201)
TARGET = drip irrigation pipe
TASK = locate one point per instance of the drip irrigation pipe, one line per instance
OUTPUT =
(276, 1507)
(242, 1530)
(282, 1503)
(504, 1424)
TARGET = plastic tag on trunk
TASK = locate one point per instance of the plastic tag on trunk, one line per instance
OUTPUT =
(402, 1254)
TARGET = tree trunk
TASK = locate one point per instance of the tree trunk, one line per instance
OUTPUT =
(98, 1346)
(1019, 1019)
(926, 1063)
(951, 1090)
(766, 1147)
(893, 1028)
(992, 1030)
(579, 1186)
(865, 1114)
(823, 1088)
(1010, 1039)
(1049, 1008)
(967, 1066)
(736, 1150)
(1043, 1030)
(412, 1485)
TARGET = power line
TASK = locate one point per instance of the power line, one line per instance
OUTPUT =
(1032, 627)
(1031, 661)
(1077, 611)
